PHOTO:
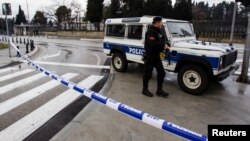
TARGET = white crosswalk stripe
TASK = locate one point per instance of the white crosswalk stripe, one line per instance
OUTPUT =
(239, 72)
(7, 69)
(13, 75)
(26, 96)
(31, 122)
(25, 126)
(20, 83)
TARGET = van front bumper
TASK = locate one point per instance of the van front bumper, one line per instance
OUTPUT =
(226, 74)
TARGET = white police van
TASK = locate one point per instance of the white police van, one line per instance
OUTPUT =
(196, 62)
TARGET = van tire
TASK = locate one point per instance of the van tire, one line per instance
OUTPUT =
(119, 62)
(193, 79)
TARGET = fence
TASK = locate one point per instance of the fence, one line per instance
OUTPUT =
(220, 29)
(77, 27)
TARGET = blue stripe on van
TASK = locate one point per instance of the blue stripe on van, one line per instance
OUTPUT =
(139, 50)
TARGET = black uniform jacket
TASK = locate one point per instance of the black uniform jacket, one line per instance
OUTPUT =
(154, 44)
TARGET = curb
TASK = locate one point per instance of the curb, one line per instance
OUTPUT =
(33, 52)
(27, 55)
(80, 117)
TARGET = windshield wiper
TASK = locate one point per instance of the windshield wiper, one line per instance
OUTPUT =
(175, 33)
(187, 34)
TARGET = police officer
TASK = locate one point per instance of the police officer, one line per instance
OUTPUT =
(154, 45)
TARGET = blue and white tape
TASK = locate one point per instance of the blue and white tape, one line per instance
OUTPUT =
(118, 106)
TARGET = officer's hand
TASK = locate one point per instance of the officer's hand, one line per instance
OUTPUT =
(167, 47)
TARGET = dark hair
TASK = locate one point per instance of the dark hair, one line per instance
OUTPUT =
(157, 19)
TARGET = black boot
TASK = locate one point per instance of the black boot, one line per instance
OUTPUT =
(160, 92)
(146, 92)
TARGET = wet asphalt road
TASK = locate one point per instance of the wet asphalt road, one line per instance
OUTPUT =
(226, 102)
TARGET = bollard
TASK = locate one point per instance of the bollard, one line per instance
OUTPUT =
(32, 45)
(18, 54)
(27, 48)
(5, 39)
(24, 41)
(20, 40)
(13, 39)
(16, 40)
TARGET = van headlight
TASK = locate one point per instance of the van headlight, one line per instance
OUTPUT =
(221, 63)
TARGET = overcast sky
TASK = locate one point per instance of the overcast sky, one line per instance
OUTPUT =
(35, 5)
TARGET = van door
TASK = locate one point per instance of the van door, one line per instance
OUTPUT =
(135, 39)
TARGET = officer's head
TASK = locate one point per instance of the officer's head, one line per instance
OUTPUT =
(157, 22)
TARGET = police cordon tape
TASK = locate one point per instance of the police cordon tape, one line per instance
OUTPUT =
(118, 106)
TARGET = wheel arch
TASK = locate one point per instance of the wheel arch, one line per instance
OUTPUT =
(118, 50)
(195, 61)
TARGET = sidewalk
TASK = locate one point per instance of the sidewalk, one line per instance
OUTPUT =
(5, 60)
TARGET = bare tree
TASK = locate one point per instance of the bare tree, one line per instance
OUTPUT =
(50, 11)
(77, 10)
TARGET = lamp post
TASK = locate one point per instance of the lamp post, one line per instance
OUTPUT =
(244, 72)
(7, 30)
(7, 11)
(233, 24)
(28, 16)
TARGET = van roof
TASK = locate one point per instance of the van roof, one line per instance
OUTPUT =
(143, 20)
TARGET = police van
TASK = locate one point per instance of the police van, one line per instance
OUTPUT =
(196, 62)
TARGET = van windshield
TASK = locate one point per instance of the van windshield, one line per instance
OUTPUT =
(180, 29)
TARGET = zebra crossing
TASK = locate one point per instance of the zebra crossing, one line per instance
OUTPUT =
(29, 123)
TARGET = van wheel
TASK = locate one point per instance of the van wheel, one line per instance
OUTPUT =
(119, 62)
(193, 79)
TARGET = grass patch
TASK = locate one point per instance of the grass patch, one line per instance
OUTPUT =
(3, 46)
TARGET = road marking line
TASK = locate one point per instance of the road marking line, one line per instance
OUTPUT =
(28, 124)
(98, 59)
(52, 55)
(13, 75)
(71, 65)
(20, 83)
(239, 72)
(7, 69)
(239, 60)
(14, 102)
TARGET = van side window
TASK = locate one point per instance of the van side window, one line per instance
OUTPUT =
(116, 30)
(135, 32)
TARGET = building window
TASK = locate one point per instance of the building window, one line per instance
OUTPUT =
(116, 30)
(135, 32)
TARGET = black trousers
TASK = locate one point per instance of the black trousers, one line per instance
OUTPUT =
(149, 66)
